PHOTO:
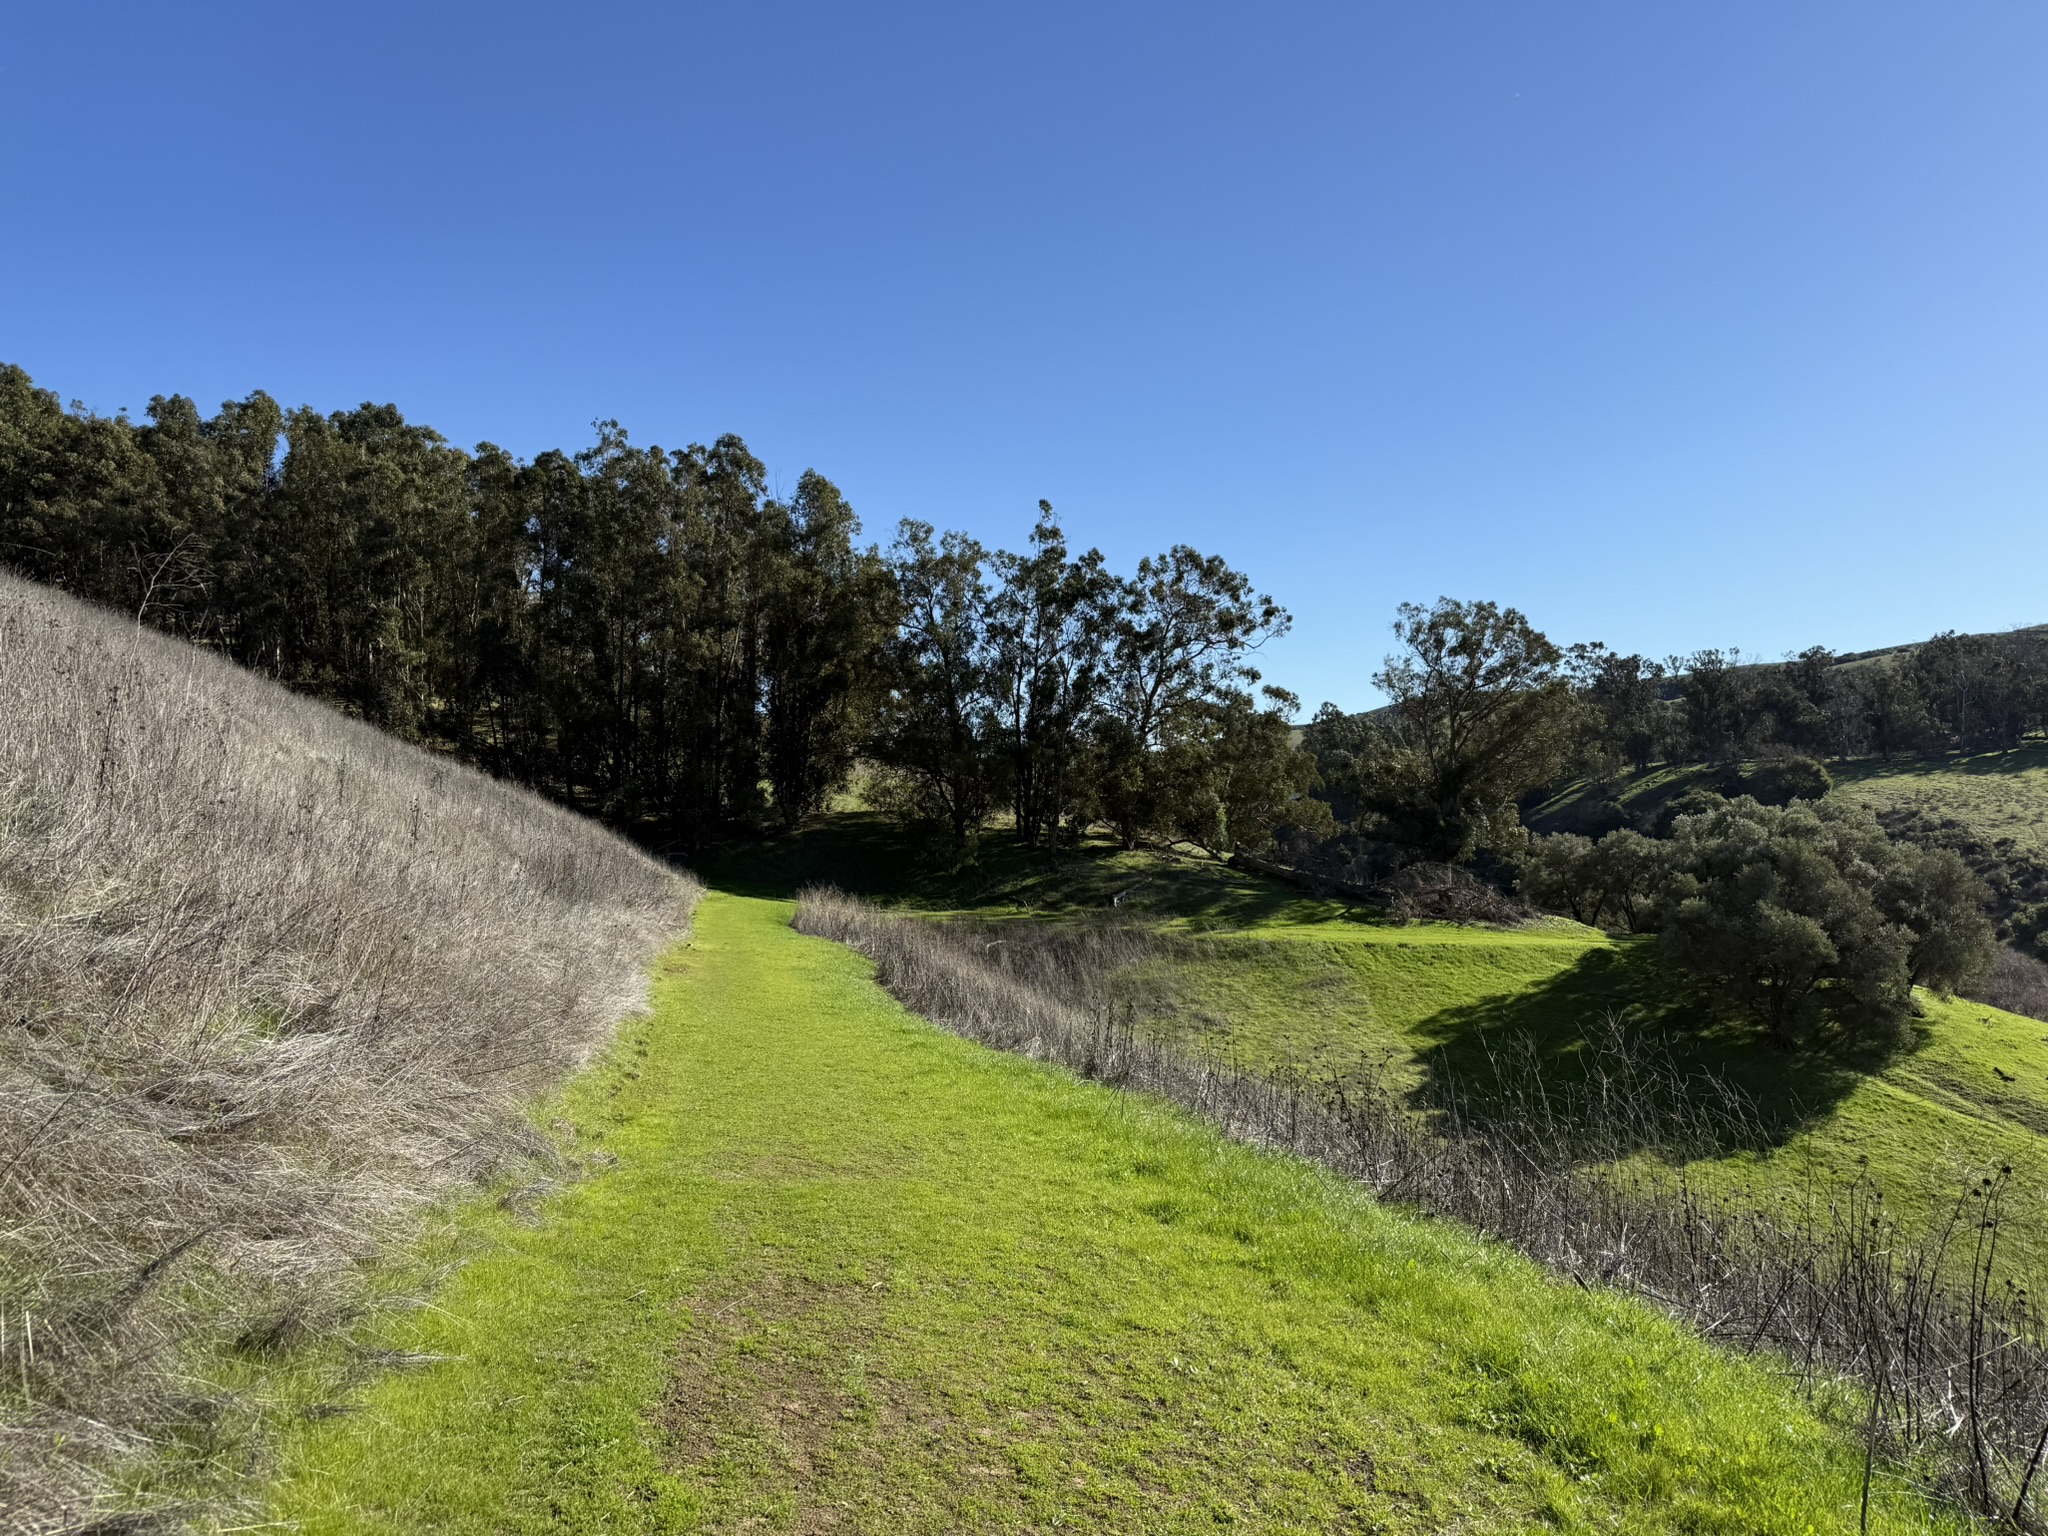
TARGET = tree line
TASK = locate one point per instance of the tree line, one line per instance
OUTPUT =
(653, 636)
(1486, 714)
(1953, 692)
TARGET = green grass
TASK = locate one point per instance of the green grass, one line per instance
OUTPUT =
(852, 1273)
(1922, 1127)
(862, 853)
(1997, 794)
(1273, 980)
(1640, 795)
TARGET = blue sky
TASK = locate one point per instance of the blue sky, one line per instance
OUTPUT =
(1674, 326)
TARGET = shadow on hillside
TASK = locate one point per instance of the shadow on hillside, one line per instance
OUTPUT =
(1490, 1057)
(866, 854)
(858, 852)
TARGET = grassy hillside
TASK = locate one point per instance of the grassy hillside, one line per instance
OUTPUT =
(1258, 974)
(852, 1273)
(269, 982)
(1970, 1094)
(1995, 794)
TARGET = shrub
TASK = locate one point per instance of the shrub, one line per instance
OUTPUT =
(1931, 893)
(1617, 878)
(2030, 929)
(1560, 874)
(1807, 918)
(1784, 780)
(1632, 869)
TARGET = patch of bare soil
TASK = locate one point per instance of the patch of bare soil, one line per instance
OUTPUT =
(773, 1392)
(768, 1367)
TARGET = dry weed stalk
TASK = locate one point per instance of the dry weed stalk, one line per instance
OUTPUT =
(1951, 1354)
(269, 980)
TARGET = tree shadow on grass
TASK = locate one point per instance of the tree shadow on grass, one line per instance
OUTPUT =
(1553, 1043)
(867, 854)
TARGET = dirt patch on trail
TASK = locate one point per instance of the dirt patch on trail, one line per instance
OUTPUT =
(783, 1414)
(777, 1404)
(774, 1368)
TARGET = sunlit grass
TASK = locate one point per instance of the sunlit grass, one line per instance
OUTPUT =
(853, 1273)
(1998, 794)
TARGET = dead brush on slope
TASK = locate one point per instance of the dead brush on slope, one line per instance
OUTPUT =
(2017, 983)
(1952, 1356)
(269, 981)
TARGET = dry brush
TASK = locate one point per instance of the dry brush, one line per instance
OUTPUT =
(270, 982)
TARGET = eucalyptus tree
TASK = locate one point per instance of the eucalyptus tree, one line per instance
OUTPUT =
(1624, 717)
(214, 477)
(340, 578)
(936, 719)
(1480, 715)
(1184, 630)
(1050, 620)
(1235, 775)
(830, 612)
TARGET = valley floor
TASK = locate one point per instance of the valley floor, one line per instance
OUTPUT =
(849, 1272)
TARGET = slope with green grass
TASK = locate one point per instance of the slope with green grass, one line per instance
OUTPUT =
(1255, 972)
(849, 1272)
(1995, 794)
(1969, 1093)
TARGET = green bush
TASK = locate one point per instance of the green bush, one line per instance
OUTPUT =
(1613, 882)
(1808, 920)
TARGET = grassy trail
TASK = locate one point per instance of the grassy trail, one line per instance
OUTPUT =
(850, 1273)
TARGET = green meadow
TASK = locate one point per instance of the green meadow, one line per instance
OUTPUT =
(1997, 794)
(835, 1269)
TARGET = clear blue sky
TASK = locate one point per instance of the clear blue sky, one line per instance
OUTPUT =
(1673, 325)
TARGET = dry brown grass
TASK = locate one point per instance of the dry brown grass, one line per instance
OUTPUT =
(269, 982)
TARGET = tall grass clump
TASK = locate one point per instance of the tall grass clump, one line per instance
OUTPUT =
(1949, 1355)
(269, 982)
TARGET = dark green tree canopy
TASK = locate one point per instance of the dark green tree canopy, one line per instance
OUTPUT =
(1808, 917)
(1479, 717)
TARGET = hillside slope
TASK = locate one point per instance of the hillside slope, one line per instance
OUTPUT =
(1998, 795)
(269, 981)
(1253, 972)
(1461, 1014)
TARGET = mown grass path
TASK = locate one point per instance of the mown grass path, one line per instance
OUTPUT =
(851, 1273)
